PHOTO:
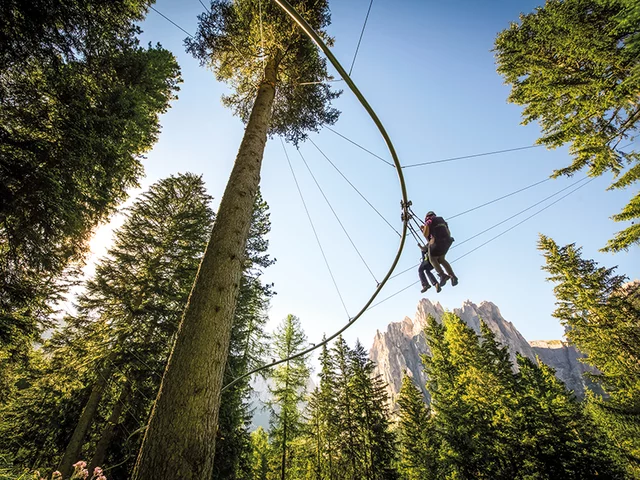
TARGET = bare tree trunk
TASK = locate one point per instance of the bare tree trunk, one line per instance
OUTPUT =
(109, 428)
(74, 448)
(180, 439)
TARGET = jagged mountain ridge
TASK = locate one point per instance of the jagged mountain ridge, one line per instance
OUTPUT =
(399, 349)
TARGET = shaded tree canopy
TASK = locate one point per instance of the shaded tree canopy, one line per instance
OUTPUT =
(79, 106)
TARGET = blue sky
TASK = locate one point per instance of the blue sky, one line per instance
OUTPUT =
(427, 69)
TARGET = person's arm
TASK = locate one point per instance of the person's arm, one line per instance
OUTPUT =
(425, 231)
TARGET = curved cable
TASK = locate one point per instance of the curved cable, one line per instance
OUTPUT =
(284, 4)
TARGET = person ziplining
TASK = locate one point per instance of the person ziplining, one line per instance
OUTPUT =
(439, 240)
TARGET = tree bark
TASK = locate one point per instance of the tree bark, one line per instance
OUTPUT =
(180, 438)
(109, 428)
(74, 447)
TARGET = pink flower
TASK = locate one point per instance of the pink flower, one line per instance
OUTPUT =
(97, 471)
(101, 477)
(56, 475)
(80, 465)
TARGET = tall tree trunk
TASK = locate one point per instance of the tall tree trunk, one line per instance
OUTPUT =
(180, 438)
(74, 448)
(109, 428)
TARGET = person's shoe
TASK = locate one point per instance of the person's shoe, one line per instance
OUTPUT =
(454, 281)
(425, 288)
(443, 279)
(438, 287)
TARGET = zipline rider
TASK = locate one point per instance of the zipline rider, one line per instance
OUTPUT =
(437, 233)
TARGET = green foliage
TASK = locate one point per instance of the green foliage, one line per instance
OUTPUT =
(48, 30)
(416, 435)
(348, 434)
(574, 65)
(496, 424)
(79, 106)
(127, 318)
(235, 39)
(260, 453)
(601, 315)
(288, 391)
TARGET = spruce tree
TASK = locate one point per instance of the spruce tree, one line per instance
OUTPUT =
(601, 316)
(555, 438)
(260, 453)
(371, 408)
(288, 392)
(127, 316)
(496, 424)
(256, 48)
(416, 435)
(349, 454)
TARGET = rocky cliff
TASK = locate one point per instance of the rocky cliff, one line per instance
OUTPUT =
(399, 349)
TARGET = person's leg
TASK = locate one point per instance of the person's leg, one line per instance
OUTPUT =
(437, 261)
(421, 273)
(434, 260)
(431, 276)
(449, 270)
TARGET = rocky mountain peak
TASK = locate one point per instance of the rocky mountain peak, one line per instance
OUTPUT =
(399, 349)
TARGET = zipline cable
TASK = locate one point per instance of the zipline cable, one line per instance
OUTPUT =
(354, 187)
(488, 241)
(528, 218)
(521, 212)
(495, 152)
(355, 55)
(501, 222)
(335, 284)
(337, 218)
(168, 19)
(499, 198)
(284, 4)
(360, 146)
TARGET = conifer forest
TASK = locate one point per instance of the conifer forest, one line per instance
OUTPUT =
(163, 352)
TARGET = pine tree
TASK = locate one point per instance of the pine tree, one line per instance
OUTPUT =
(372, 412)
(573, 65)
(496, 424)
(260, 453)
(416, 435)
(289, 391)
(264, 56)
(601, 315)
(127, 317)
